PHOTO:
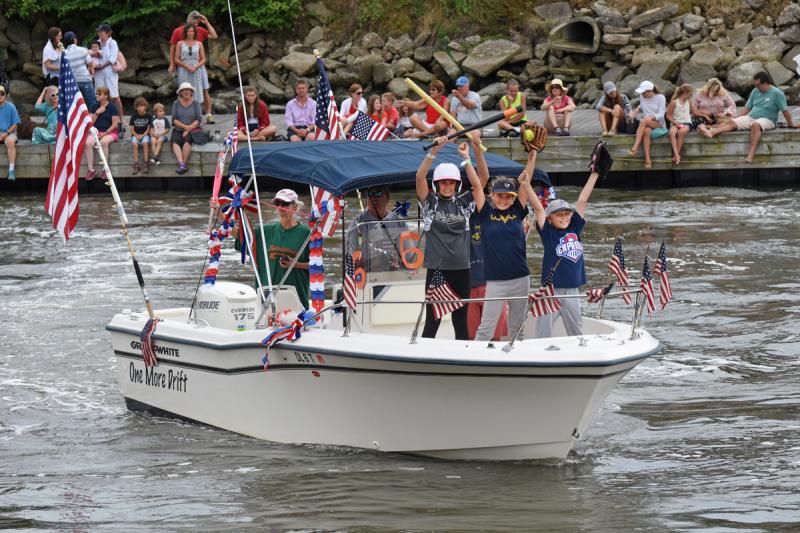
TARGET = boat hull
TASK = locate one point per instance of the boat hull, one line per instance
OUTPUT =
(420, 399)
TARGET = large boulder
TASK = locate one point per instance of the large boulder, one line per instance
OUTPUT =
(153, 78)
(423, 54)
(22, 91)
(661, 66)
(739, 36)
(790, 15)
(779, 74)
(401, 46)
(708, 54)
(422, 76)
(299, 63)
(448, 65)
(608, 16)
(19, 36)
(132, 90)
(693, 23)
(489, 56)
(764, 48)
(740, 77)
(615, 74)
(558, 11)
(616, 39)
(788, 59)
(372, 40)
(398, 87)
(791, 34)
(271, 92)
(671, 32)
(382, 73)
(404, 66)
(652, 16)
(696, 72)
(653, 31)
(314, 36)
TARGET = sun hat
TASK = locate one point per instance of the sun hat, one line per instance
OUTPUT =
(505, 185)
(558, 205)
(555, 81)
(286, 195)
(104, 27)
(645, 86)
(462, 80)
(609, 87)
(69, 36)
(446, 171)
(184, 85)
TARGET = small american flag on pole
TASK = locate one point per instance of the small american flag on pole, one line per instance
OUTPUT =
(646, 284)
(441, 297)
(327, 118)
(349, 288)
(148, 350)
(597, 295)
(617, 267)
(542, 301)
(74, 122)
(366, 129)
(660, 270)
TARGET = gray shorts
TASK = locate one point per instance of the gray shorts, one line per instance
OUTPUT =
(12, 137)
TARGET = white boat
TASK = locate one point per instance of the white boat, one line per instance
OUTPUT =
(372, 385)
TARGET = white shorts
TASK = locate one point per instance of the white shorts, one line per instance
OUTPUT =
(204, 76)
(746, 121)
(109, 79)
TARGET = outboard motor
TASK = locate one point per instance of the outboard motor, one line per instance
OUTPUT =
(228, 305)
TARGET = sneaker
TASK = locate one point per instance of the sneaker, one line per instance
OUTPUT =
(504, 134)
(182, 168)
(12, 176)
(136, 168)
(565, 132)
(152, 161)
(158, 160)
(559, 133)
(611, 133)
(91, 174)
(146, 167)
(209, 119)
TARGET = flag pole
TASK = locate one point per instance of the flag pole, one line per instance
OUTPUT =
(638, 308)
(508, 347)
(124, 221)
(217, 184)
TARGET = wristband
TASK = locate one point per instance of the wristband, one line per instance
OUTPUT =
(430, 156)
(466, 162)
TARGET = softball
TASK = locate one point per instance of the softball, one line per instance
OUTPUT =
(529, 135)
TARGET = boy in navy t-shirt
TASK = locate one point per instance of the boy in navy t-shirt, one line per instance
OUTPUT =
(560, 227)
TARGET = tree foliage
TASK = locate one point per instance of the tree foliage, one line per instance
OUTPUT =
(138, 17)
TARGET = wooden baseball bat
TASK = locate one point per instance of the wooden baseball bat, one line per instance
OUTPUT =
(431, 102)
(478, 125)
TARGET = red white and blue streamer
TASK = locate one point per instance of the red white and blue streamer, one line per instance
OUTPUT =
(232, 207)
(290, 332)
(326, 210)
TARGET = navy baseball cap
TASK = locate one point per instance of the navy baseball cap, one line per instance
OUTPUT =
(504, 185)
(104, 27)
(69, 36)
(542, 177)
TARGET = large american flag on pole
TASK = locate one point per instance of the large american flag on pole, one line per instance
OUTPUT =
(660, 270)
(646, 284)
(74, 122)
(366, 129)
(617, 267)
(327, 118)
(542, 301)
(441, 296)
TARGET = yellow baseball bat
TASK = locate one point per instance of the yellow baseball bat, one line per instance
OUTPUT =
(431, 102)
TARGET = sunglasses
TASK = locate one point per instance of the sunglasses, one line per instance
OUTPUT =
(359, 92)
(433, 90)
(374, 194)
(281, 203)
(2, 93)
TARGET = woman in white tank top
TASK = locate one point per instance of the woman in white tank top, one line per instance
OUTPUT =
(679, 114)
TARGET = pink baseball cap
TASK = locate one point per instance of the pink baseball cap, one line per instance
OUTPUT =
(286, 195)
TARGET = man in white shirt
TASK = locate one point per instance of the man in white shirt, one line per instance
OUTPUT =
(465, 105)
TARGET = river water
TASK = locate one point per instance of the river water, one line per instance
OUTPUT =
(703, 436)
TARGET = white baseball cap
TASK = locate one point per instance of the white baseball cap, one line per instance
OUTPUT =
(286, 195)
(446, 171)
(645, 86)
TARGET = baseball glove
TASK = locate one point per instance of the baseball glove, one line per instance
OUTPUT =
(601, 160)
(533, 136)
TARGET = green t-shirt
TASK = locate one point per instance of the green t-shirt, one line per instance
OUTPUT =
(766, 104)
(284, 243)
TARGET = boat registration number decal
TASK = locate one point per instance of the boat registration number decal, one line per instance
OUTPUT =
(306, 357)
(152, 377)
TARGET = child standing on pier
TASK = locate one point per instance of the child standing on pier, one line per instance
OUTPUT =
(159, 132)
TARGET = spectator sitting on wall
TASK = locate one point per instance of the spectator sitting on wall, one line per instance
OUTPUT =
(513, 98)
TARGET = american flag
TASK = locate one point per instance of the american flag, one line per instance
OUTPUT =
(349, 282)
(617, 267)
(327, 119)
(232, 138)
(366, 129)
(660, 270)
(542, 301)
(438, 295)
(647, 287)
(326, 210)
(74, 122)
(148, 352)
(597, 295)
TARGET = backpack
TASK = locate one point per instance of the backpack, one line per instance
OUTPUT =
(121, 64)
(4, 82)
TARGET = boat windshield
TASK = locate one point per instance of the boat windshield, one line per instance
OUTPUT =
(385, 250)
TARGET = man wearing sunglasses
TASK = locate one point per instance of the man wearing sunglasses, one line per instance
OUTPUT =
(9, 119)
(376, 233)
(434, 124)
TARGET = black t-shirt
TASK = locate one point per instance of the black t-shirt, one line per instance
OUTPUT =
(104, 119)
(140, 123)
